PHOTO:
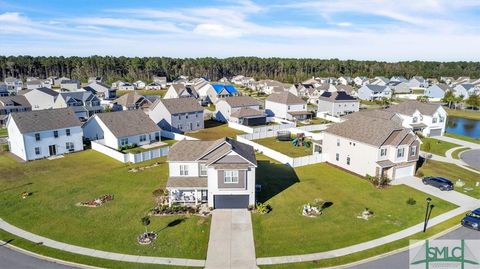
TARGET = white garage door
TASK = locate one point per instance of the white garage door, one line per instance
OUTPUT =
(404, 171)
(435, 132)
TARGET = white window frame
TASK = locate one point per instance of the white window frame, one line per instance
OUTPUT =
(230, 177)
(413, 151)
(70, 146)
(38, 151)
(203, 169)
(143, 138)
(400, 152)
(383, 152)
(123, 141)
(184, 170)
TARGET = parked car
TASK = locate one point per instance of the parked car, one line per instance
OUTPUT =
(472, 220)
(439, 182)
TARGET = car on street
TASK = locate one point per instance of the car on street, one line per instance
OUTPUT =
(472, 220)
(438, 182)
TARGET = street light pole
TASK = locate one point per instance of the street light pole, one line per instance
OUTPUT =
(426, 213)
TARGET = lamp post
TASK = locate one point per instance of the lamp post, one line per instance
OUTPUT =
(426, 213)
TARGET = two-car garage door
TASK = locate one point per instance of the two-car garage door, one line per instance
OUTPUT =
(435, 132)
(230, 201)
(405, 171)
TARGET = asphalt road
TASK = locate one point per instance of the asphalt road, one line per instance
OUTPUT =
(10, 259)
(472, 158)
(400, 260)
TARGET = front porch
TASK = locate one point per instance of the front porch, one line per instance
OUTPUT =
(187, 190)
(384, 169)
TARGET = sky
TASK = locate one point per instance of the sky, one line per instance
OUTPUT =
(385, 30)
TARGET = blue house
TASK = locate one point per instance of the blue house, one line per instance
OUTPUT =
(221, 91)
(437, 90)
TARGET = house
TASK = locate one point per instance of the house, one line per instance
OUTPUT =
(70, 85)
(342, 88)
(220, 173)
(155, 86)
(224, 80)
(4, 89)
(398, 79)
(417, 82)
(36, 83)
(101, 90)
(447, 80)
(181, 80)
(204, 90)
(461, 80)
(344, 80)
(437, 91)
(132, 101)
(221, 91)
(240, 109)
(269, 86)
(374, 92)
(84, 104)
(285, 105)
(95, 79)
(139, 85)
(58, 81)
(181, 90)
(121, 129)
(41, 98)
(177, 114)
(123, 86)
(399, 87)
(463, 90)
(238, 79)
(429, 119)
(360, 81)
(337, 103)
(381, 81)
(162, 81)
(13, 84)
(371, 146)
(9, 104)
(40, 134)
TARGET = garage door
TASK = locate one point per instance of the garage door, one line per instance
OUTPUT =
(230, 201)
(404, 171)
(435, 132)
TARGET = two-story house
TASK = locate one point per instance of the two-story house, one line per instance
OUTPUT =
(180, 91)
(285, 105)
(429, 119)
(226, 107)
(41, 98)
(9, 104)
(4, 89)
(70, 84)
(44, 133)
(83, 103)
(14, 85)
(367, 145)
(177, 114)
(374, 92)
(123, 128)
(220, 173)
(131, 101)
(337, 103)
(101, 90)
(160, 81)
(437, 91)
(417, 82)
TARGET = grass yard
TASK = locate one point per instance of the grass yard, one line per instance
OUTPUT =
(314, 121)
(456, 153)
(215, 130)
(418, 91)
(144, 92)
(60, 184)
(463, 137)
(284, 231)
(436, 146)
(452, 172)
(468, 114)
(3, 132)
(284, 147)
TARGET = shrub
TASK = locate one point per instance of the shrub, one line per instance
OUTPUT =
(263, 208)
(427, 146)
(411, 201)
(5, 147)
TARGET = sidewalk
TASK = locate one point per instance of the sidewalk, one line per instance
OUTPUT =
(458, 142)
(97, 253)
(459, 163)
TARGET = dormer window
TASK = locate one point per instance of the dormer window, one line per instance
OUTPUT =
(415, 120)
(434, 120)
(413, 151)
(400, 153)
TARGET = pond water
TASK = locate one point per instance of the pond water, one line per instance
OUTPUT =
(462, 126)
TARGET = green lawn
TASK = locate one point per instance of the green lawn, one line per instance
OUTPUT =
(144, 92)
(418, 91)
(314, 121)
(284, 231)
(436, 146)
(455, 153)
(214, 130)
(463, 137)
(469, 114)
(284, 147)
(3, 132)
(453, 172)
(59, 184)
(211, 107)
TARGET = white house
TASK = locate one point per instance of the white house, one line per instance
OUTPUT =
(131, 101)
(139, 84)
(123, 86)
(360, 81)
(220, 173)
(399, 87)
(123, 128)
(101, 90)
(337, 103)
(429, 119)
(374, 92)
(344, 80)
(463, 90)
(36, 83)
(41, 98)
(240, 109)
(161, 81)
(398, 79)
(155, 86)
(371, 146)
(437, 91)
(417, 82)
(70, 84)
(285, 105)
(13, 84)
(177, 114)
(44, 133)
(381, 81)
(181, 90)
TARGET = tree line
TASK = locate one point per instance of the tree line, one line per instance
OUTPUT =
(282, 69)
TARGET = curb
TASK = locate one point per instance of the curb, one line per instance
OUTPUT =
(47, 258)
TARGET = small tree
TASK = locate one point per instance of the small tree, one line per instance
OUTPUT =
(449, 98)
(160, 196)
(473, 101)
(145, 222)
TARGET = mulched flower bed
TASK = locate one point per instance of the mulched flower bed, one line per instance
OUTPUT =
(165, 210)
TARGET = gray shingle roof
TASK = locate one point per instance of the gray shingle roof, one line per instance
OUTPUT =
(409, 107)
(129, 99)
(43, 90)
(187, 182)
(247, 112)
(286, 98)
(43, 120)
(376, 88)
(18, 100)
(128, 123)
(180, 105)
(338, 96)
(241, 101)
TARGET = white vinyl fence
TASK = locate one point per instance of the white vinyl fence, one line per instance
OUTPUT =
(261, 129)
(323, 115)
(176, 136)
(129, 157)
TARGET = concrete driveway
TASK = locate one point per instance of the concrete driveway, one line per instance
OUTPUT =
(472, 158)
(231, 240)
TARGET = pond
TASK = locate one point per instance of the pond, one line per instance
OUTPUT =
(462, 126)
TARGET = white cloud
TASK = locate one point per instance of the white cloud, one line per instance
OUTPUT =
(216, 30)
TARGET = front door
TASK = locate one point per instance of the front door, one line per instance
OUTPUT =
(191, 126)
(53, 150)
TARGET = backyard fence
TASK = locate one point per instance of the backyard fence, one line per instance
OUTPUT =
(261, 129)
(328, 117)
(176, 136)
(129, 157)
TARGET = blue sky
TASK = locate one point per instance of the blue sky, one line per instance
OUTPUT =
(389, 30)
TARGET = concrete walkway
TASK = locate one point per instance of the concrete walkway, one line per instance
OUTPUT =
(449, 152)
(231, 240)
(97, 253)
(458, 142)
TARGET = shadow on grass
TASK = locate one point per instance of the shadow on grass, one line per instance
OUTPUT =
(16, 187)
(7, 242)
(274, 178)
(212, 124)
(173, 223)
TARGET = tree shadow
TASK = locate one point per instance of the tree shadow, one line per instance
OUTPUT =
(7, 242)
(420, 162)
(16, 187)
(173, 223)
(212, 123)
(274, 178)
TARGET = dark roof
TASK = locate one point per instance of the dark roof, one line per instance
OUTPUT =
(286, 98)
(128, 123)
(43, 90)
(180, 105)
(18, 100)
(43, 120)
(338, 96)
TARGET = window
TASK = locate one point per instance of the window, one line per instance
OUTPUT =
(348, 160)
(180, 127)
(70, 146)
(55, 134)
(441, 119)
(288, 107)
(143, 138)
(338, 142)
(183, 170)
(337, 157)
(124, 141)
(434, 120)
(231, 177)
(203, 169)
(198, 124)
(413, 151)
(67, 132)
(186, 116)
(37, 151)
(400, 153)
(383, 152)
(37, 137)
(415, 119)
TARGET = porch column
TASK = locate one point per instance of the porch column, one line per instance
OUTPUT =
(170, 198)
(196, 197)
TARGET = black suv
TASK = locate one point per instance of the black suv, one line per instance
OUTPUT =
(472, 220)
(438, 182)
